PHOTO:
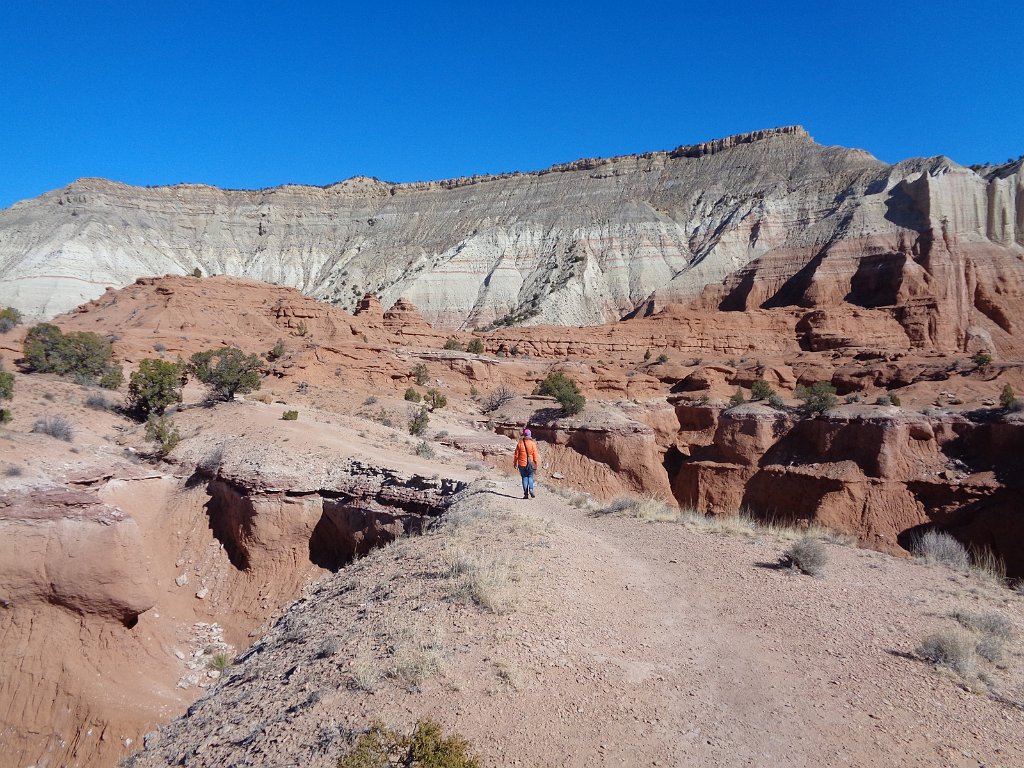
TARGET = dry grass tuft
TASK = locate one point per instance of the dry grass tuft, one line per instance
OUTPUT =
(938, 548)
(809, 555)
(648, 508)
(485, 578)
(953, 648)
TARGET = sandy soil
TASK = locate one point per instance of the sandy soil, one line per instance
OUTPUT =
(615, 642)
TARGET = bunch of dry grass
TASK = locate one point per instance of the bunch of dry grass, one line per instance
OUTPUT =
(952, 648)
(484, 578)
(809, 555)
(642, 508)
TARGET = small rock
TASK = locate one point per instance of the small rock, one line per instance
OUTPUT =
(179, 562)
(213, 674)
(151, 739)
(202, 593)
(558, 476)
(182, 580)
(180, 655)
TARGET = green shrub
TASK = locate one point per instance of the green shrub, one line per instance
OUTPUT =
(761, 390)
(647, 355)
(453, 344)
(113, 377)
(277, 351)
(818, 398)
(197, 272)
(381, 747)
(476, 346)
(6, 385)
(435, 399)
(425, 450)
(290, 416)
(161, 431)
(227, 371)
(81, 355)
(737, 398)
(981, 358)
(418, 421)
(420, 374)
(1007, 396)
(9, 317)
(5, 415)
(775, 401)
(662, 358)
(412, 395)
(895, 400)
(154, 386)
(565, 390)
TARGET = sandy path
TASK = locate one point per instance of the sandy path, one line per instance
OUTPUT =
(630, 643)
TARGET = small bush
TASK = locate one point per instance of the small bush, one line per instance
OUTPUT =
(412, 395)
(476, 346)
(565, 390)
(420, 374)
(883, 400)
(809, 555)
(992, 624)
(425, 450)
(80, 355)
(938, 548)
(59, 427)
(277, 351)
(761, 390)
(418, 421)
(737, 398)
(98, 402)
(818, 398)
(435, 399)
(161, 431)
(13, 470)
(290, 416)
(371, 400)
(981, 359)
(113, 377)
(6, 385)
(647, 355)
(895, 400)
(9, 318)
(5, 415)
(220, 661)
(154, 386)
(227, 371)
(951, 648)
(496, 399)
(662, 358)
(160, 347)
(775, 401)
(380, 747)
(197, 272)
(1007, 396)
(453, 344)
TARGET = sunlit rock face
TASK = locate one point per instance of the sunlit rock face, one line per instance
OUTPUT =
(767, 219)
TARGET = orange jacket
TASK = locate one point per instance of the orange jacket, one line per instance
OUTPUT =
(526, 447)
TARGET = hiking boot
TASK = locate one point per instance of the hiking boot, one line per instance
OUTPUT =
(526, 495)
(533, 495)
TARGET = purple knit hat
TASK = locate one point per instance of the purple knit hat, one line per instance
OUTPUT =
(527, 433)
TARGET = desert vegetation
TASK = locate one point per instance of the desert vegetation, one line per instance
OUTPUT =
(82, 356)
(227, 371)
(426, 746)
(155, 386)
(9, 318)
(565, 390)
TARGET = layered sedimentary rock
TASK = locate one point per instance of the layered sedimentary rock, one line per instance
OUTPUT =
(785, 222)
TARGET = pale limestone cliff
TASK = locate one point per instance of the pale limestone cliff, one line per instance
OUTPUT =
(579, 243)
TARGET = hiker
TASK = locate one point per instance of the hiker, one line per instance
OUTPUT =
(526, 461)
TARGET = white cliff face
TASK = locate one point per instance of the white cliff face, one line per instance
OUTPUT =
(581, 243)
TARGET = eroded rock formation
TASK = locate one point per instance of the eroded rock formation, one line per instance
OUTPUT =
(925, 252)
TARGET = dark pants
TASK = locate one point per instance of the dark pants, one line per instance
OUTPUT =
(528, 482)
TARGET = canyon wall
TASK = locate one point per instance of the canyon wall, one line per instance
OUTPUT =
(784, 221)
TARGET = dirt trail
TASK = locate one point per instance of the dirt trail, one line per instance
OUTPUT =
(629, 643)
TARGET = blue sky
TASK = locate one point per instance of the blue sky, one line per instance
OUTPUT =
(257, 94)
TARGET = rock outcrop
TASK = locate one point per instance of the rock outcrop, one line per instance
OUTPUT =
(928, 247)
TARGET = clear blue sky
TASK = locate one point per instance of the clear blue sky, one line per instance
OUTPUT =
(255, 94)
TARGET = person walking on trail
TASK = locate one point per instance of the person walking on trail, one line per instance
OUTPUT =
(527, 460)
